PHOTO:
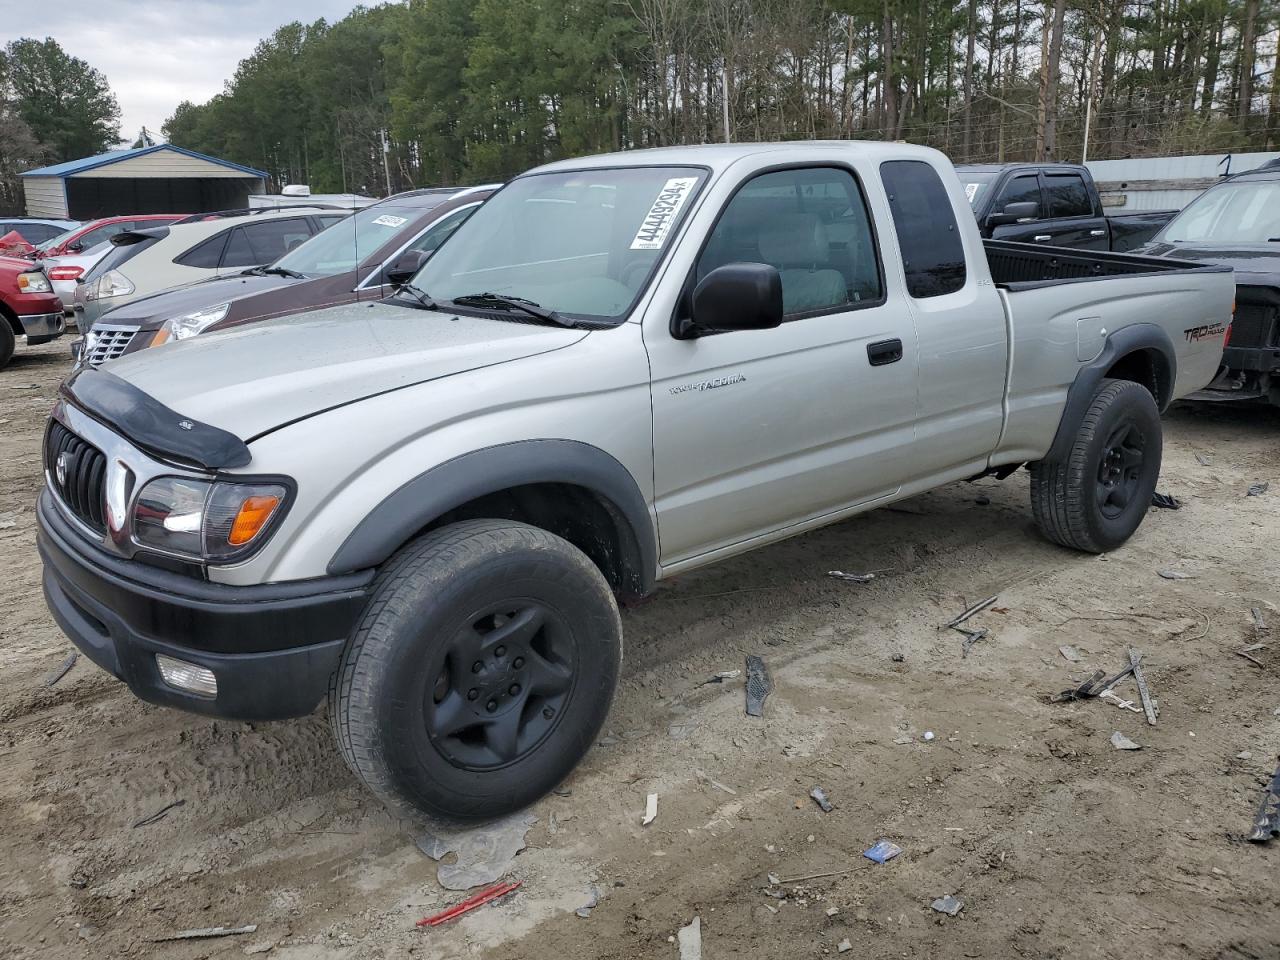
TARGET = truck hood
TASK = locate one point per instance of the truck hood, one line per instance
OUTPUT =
(151, 311)
(253, 379)
(1260, 260)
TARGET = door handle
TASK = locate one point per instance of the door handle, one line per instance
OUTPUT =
(884, 351)
(1097, 233)
(1042, 237)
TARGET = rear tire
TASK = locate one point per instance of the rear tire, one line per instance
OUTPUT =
(480, 673)
(7, 342)
(1096, 498)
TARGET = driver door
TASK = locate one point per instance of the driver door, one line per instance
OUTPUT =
(758, 430)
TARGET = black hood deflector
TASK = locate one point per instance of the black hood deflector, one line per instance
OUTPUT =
(149, 424)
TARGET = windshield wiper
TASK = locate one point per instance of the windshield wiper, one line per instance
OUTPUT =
(420, 295)
(503, 301)
(275, 271)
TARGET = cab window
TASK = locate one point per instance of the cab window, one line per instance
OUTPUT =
(812, 225)
(932, 252)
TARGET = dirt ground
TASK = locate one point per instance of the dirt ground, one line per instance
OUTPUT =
(1058, 844)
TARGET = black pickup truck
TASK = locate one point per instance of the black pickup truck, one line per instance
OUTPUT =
(1052, 203)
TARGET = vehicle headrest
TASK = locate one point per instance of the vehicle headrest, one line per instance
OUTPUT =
(794, 240)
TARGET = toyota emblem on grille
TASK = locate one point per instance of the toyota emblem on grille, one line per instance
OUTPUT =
(60, 468)
(186, 424)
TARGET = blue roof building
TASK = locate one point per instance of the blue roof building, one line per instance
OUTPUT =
(158, 179)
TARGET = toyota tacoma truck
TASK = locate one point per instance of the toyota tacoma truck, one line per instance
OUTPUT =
(425, 510)
(1056, 204)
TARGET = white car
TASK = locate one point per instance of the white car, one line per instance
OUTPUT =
(64, 272)
(142, 262)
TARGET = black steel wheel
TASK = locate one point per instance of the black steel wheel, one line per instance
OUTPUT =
(1096, 498)
(481, 672)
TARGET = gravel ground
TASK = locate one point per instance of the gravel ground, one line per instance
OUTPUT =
(1058, 844)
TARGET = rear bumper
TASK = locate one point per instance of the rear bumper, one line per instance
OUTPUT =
(43, 327)
(272, 647)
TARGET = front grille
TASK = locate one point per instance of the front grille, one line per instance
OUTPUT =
(78, 472)
(1254, 325)
(106, 342)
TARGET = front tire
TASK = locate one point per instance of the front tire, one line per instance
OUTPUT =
(481, 672)
(7, 342)
(1096, 498)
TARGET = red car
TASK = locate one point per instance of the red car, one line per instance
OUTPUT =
(94, 232)
(28, 306)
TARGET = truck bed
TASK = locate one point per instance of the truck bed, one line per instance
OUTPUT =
(1023, 266)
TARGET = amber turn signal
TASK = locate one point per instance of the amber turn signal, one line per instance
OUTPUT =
(251, 518)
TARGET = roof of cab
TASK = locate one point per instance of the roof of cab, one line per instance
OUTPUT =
(719, 156)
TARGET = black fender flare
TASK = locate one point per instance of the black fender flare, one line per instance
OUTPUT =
(1137, 336)
(430, 495)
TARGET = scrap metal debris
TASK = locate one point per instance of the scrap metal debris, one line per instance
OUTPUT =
(650, 810)
(1259, 624)
(721, 677)
(1258, 489)
(1248, 654)
(970, 638)
(851, 577)
(63, 669)
(1149, 705)
(1267, 823)
(484, 854)
(487, 895)
(820, 798)
(1165, 501)
(206, 933)
(973, 611)
(1176, 575)
(159, 814)
(948, 905)
(882, 852)
(758, 686)
(1121, 742)
(1095, 686)
(1070, 653)
(690, 940)
(1203, 460)
(593, 901)
(702, 775)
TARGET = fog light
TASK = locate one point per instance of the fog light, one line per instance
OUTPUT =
(187, 676)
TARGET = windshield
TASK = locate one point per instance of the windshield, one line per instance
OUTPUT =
(60, 238)
(975, 185)
(1240, 212)
(580, 243)
(346, 244)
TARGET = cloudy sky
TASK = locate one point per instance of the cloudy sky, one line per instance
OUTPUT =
(157, 53)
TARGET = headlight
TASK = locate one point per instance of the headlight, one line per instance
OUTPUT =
(33, 282)
(189, 324)
(206, 520)
(113, 283)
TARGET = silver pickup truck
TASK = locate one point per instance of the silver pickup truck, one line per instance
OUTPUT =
(425, 509)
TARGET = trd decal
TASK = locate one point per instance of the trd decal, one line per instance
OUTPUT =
(1208, 330)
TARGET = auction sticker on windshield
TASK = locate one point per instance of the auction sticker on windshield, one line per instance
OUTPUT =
(387, 220)
(970, 191)
(657, 222)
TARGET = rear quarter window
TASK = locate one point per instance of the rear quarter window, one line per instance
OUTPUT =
(932, 252)
(205, 255)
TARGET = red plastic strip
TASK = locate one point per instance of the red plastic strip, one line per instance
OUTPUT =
(466, 906)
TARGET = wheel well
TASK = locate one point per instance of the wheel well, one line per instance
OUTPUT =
(1149, 368)
(12, 318)
(589, 521)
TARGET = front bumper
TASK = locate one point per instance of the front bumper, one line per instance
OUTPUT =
(43, 327)
(272, 647)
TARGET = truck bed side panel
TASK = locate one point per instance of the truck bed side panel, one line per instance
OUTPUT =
(1050, 323)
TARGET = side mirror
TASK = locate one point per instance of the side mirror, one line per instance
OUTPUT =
(74, 247)
(737, 296)
(1015, 212)
(401, 270)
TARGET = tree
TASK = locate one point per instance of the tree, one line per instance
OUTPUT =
(67, 104)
